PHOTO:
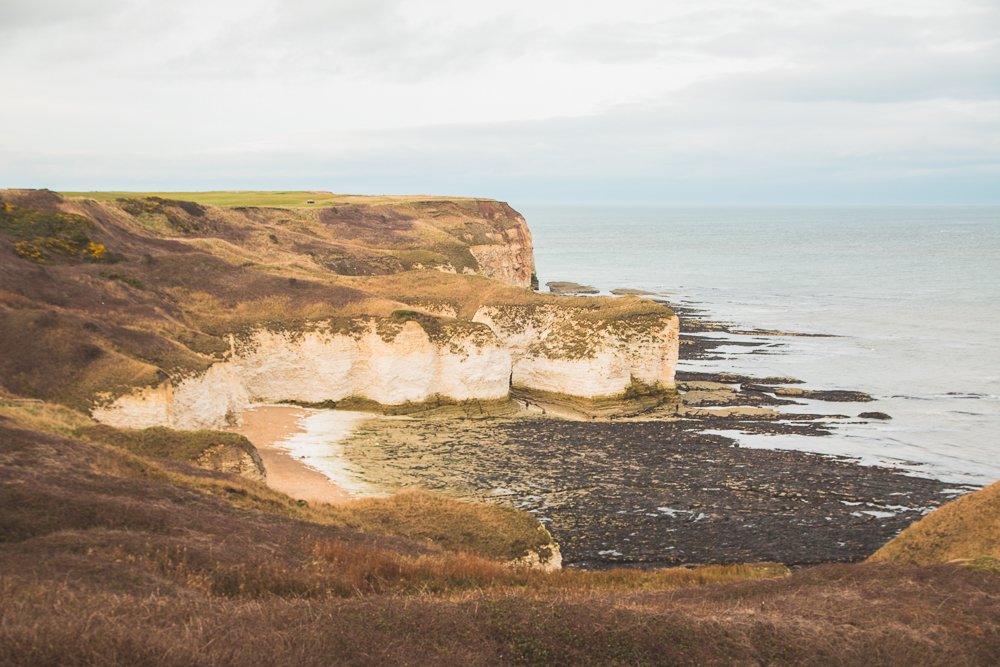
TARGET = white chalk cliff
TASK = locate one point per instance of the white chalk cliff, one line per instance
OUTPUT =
(559, 349)
(549, 347)
(390, 367)
(593, 349)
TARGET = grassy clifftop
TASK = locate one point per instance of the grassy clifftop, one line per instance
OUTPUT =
(284, 199)
(103, 293)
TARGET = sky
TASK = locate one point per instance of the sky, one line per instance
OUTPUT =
(667, 101)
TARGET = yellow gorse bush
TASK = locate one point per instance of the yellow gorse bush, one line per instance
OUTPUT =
(30, 252)
(94, 252)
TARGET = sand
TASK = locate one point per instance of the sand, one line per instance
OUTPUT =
(267, 426)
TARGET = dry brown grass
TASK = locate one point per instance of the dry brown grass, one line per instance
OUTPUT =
(466, 294)
(493, 530)
(163, 443)
(227, 536)
(45, 417)
(108, 558)
(965, 528)
(855, 615)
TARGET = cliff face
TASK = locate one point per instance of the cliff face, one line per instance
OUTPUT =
(396, 365)
(511, 259)
(147, 311)
(550, 348)
(409, 366)
(206, 400)
(562, 350)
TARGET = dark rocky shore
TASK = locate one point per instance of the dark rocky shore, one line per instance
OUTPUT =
(653, 494)
(660, 488)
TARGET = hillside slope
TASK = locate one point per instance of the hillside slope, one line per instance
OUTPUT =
(966, 528)
(113, 559)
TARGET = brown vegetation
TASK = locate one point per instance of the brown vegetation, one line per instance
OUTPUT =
(164, 443)
(967, 528)
(862, 615)
(108, 558)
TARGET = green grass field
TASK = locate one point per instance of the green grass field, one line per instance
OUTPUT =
(298, 198)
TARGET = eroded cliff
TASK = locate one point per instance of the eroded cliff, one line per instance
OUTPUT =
(583, 352)
(148, 311)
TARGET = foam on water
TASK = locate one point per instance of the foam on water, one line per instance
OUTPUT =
(318, 446)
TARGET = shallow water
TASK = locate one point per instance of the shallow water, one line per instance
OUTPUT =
(912, 294)
(318, 446)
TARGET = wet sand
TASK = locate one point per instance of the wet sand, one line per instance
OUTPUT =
(266, 426)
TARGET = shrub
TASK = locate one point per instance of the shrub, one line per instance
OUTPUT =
(30, 252)
(160, 206)
(59, 233)
(95, 252)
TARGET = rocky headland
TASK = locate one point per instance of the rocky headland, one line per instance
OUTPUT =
(147, 311)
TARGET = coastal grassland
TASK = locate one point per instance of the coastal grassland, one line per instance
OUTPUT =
(37, 415)
(221, 198)
(423, 516)
(296, 198)
(112, 558)
(76, 360)
(490, 531)
(363, 236)
(967, 528)
(464, 295)
(233, 537)
(838, 615)
(163, 443)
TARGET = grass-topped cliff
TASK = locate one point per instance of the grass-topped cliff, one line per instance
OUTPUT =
(106, 294)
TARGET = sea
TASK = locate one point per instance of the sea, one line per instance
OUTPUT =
(909, 297)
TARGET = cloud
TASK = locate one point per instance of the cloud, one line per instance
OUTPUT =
(714, 94)
(18, 15)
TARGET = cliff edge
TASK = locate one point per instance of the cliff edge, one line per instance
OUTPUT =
(151, 311)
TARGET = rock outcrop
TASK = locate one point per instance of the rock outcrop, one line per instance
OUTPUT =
(387, 361)
(149, 311)
(574, 351)
(235, 460)
(546, 559)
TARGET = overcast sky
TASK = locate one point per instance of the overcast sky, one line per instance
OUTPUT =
(673, 101)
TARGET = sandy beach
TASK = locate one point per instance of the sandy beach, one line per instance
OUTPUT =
(267, 427)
